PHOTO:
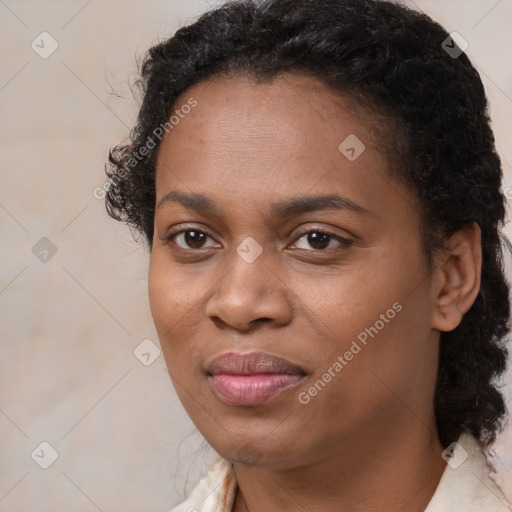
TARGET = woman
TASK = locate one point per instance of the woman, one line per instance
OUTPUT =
(319, 189)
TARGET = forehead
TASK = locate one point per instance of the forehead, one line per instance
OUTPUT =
(283, 133)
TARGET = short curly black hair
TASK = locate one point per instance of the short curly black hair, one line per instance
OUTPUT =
(403, 65)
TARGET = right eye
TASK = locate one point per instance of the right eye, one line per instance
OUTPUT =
(188, 239)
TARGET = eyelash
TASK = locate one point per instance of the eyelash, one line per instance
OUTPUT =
(344, 242)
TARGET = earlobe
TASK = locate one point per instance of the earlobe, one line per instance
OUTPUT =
(457, 281)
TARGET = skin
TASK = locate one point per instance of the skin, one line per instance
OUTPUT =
(368, 440)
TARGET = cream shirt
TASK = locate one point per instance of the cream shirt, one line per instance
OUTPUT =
(465, 486)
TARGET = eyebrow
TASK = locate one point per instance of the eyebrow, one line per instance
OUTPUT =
(293, 206)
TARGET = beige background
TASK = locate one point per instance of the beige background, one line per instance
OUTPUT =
(69, 326)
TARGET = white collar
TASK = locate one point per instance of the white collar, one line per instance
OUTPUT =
(468, 487)
(465, 487)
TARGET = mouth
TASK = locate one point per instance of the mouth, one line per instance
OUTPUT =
(249, 379)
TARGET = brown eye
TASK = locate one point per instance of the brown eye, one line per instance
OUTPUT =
(189, 239)
(320, 240)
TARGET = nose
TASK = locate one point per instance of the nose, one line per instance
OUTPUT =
(250, 293)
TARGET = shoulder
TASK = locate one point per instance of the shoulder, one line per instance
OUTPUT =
(215, 492)
(466, 484)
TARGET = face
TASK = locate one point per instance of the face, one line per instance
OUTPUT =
(283, 245)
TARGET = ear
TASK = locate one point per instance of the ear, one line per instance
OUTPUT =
(457, 277)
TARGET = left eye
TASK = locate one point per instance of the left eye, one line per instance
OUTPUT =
(320, 239)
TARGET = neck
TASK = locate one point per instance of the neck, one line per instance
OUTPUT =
(389, 473)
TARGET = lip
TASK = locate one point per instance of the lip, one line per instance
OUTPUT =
(248, 379)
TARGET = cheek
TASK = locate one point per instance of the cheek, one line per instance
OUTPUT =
(170, 308)
(375, 313)
(172, 295)
(350, 298)
(176, 300)
(162, 296)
